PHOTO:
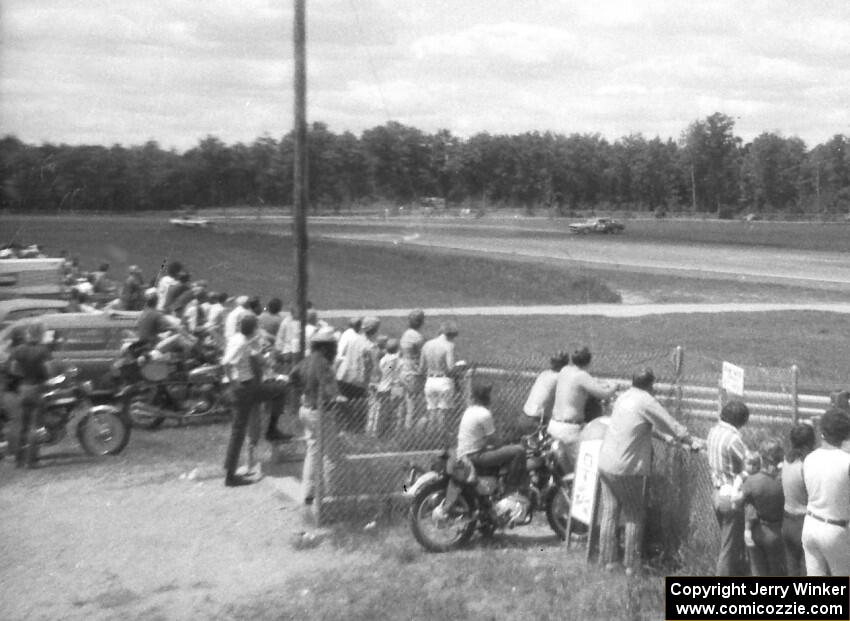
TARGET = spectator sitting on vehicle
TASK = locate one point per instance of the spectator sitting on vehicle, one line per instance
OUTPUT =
(214, 326)
(476, 440)
(152, 322)
(270, 320)
(133, 292)
(100, 280)
(178, 295)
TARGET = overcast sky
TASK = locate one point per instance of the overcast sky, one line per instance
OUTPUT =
(175, 71)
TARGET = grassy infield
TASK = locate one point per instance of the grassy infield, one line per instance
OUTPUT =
(514, 577)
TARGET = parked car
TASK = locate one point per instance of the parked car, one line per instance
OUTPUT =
(88, 341)
(32, 278)
(597, 225)
(21, 308)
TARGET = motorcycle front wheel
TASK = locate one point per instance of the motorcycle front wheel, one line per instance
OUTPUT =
(558, 503)
(441, 534)
(140, 409)
(103, 431)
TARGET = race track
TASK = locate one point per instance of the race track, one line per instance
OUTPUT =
(756, 264)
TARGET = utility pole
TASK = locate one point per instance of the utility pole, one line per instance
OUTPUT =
(299, 191)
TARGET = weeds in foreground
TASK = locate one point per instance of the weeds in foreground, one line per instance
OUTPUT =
(387, 576)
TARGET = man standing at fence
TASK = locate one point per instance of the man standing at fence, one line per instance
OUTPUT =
(541, 398)
(625, 463)
(437, 363)
(726, 454)
(410, 344)
(356, 373)
(572, 391)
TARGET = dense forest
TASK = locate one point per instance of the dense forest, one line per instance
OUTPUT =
(708, 169)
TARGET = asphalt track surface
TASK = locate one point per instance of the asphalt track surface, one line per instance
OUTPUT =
(756, 264)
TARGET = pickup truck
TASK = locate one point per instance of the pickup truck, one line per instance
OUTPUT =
(597, 225)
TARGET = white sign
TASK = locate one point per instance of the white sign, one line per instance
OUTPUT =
(732, 379)
(584, 484)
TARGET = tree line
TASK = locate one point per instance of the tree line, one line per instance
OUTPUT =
(708, 169)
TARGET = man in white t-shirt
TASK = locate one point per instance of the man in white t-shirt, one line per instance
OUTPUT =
(476, 439)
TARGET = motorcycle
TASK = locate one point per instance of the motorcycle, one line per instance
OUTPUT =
(159, 386)
(482, 502)
(102, 430)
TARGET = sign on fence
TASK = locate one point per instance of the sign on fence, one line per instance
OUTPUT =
(732, 379)
(585, 482)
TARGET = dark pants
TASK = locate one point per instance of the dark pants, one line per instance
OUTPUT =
(511, 454)
(246, 397)
(31, 402)
(792, 538)
(355, 412)
(767, 557)
(730, 559)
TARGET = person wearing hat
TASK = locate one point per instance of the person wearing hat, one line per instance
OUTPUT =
(357, 372)
(625, 462)
(133, 293)
(314, 379)
(410, 350)
(437, 362)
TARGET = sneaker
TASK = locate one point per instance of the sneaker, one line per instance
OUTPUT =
(236, 480)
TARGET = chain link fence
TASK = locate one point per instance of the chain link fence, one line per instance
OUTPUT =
(370, 445)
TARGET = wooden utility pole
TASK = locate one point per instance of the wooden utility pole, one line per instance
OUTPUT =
(299, 191)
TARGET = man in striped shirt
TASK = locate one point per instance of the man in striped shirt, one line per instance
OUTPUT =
(726, 454)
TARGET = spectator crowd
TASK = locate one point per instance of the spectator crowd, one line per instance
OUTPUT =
(782, 509)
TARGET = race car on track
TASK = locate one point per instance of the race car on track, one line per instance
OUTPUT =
(597, 225)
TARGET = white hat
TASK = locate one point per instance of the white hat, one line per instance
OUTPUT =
(323, 335)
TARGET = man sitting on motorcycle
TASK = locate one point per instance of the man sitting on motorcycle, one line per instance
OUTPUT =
(476, 440)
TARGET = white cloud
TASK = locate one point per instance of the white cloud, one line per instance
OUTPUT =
(126, 71)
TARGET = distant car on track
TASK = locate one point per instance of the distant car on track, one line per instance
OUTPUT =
(190, 222)
(597, 225)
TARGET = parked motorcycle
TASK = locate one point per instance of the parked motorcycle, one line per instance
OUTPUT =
(101, 430)
(159, 386)
(482, 502)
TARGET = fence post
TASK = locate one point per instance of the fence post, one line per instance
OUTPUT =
(795, 393)
(678, 362)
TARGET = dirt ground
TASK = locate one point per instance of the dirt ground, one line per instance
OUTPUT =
(145, 539)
